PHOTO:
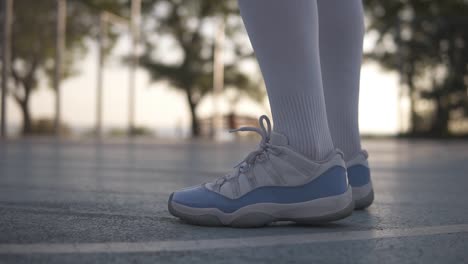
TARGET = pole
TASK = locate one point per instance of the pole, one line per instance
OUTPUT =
(102, 34)
(60, 47)
(218, 77)
(135, 22)
(6, 60)
(104, 19)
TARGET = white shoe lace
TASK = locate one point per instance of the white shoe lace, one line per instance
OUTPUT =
(259, 154)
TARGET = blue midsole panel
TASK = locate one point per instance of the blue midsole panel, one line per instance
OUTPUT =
(332, 182)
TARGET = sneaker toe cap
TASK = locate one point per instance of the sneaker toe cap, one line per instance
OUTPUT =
(196, 196)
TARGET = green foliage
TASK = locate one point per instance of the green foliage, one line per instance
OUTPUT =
(33, 43)
(136, 131)
(46, 127)
(427, 43)
(182, 52)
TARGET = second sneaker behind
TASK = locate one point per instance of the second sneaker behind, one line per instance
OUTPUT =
(360, 180)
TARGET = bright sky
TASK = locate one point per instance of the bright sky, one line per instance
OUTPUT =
(164, 109)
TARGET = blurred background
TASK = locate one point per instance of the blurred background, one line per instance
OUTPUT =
(175, 69)
(100, 101)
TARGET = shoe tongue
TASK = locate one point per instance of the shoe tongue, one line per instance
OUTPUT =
(278, 139)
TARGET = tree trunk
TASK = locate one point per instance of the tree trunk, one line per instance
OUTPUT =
(193, 114)
(27, 84)
(441, 119)
(27, 127)
(414, 124)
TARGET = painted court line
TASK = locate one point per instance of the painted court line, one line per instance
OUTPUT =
(259, 241)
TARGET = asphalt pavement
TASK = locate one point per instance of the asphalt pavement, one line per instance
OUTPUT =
(82, 201)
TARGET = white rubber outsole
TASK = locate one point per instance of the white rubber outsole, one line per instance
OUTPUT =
(316, 211)
(363, 196)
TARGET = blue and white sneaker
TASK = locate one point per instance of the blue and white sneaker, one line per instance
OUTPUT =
(273, 183)
(360, 180)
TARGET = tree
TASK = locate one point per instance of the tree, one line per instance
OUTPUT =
(427, 43)
(33, 44)
(182, 52)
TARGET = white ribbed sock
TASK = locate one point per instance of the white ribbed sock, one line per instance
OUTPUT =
(341, 24)
(284, 35)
